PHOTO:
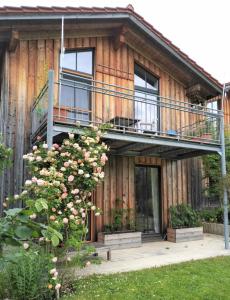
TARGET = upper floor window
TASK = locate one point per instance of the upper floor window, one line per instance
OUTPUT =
(145, 81)
(146, 100)
(78, 60)
(213, 106)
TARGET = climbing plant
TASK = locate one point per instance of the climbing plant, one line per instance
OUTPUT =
(57, 196)
(212, 171)
(5, 154)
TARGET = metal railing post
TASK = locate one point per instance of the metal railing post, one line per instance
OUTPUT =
(50, 108)
(224, 173)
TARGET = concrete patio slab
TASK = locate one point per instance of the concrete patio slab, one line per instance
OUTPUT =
(156, 254)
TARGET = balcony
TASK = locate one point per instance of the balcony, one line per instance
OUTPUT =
(143, 123)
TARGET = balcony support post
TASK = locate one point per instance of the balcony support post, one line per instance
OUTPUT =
(224, 173)
(50, 108)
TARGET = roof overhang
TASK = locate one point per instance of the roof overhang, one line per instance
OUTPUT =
(125, 16)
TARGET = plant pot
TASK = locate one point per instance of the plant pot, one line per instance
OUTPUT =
(60, 114)
(206, 136)
(184, 234)
(120, 240)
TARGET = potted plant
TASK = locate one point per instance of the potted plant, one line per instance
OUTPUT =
(120, 232)
(184, 224)
(205, 132)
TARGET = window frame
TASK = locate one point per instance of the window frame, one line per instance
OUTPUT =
(68, 73)
(76, 71)
(146, 91)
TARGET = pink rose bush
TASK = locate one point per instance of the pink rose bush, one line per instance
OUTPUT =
(59, 192)
(63, 179)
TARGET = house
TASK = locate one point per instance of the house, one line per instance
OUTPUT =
(116, 68)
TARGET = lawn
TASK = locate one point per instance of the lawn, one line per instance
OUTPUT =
(204, 279)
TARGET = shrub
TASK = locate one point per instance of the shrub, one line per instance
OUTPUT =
(121, 217)
(214, 215)
(57, 206)
(26, 275)
(183, 216)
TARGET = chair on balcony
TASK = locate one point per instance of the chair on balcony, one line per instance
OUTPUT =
(147, 127)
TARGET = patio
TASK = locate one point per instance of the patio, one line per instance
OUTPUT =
(156, 254)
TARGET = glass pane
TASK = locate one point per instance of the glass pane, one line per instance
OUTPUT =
(69, 61)
(66, 100)
(147, 199)
(141, 195)
(146, 113)
(82, 102)
(84, 62)
(139, 77)
(67, 95)
(213, 106)
(152, 82)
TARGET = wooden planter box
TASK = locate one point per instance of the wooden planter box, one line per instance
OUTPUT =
(214, 228)
(120, 240)
(184, 234)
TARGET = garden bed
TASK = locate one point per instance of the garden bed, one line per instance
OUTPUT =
(184, 234)
(120, 239)
(214, 228)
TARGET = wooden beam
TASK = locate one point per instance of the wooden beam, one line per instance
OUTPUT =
(173, 152)
(123, 149)
(120, 39)
(191, 154)
(14, 39)
(150, 151)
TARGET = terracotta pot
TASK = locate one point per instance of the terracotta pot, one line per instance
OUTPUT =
(60, 114)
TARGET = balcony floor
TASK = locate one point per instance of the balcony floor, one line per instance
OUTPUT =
(137, 144)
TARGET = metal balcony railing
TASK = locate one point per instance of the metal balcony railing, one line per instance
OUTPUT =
(78, 99)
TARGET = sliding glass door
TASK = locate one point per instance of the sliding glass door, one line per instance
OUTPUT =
(147, 186)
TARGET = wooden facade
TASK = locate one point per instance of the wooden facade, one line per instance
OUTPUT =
(24, 73)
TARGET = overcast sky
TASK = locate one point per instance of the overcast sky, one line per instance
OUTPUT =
(201, 28)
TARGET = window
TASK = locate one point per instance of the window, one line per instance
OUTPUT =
(213, 106)
(80, 61)
(146, 108)
(145, 81)
(75, 92)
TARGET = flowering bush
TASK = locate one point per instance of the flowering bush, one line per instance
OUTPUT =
(58, 194)
(62, 182)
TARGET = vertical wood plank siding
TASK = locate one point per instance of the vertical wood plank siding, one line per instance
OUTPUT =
(26, 73)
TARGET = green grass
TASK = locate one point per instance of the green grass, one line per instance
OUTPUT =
(204, 279)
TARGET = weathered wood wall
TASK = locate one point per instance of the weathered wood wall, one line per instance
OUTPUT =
(227, 111)
(26, 73)
(180, 183)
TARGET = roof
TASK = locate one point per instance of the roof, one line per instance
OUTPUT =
(10, 11)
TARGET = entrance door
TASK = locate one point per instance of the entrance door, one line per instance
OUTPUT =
(147, 199)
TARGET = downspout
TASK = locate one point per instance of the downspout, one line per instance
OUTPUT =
(61, 61)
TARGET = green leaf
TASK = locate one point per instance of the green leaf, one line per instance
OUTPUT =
(23, 232)
(54, 231)
(12, 212)
(55, 240)
(12, 242)
(41, 204)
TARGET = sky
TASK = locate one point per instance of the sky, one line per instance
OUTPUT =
(200, 28)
